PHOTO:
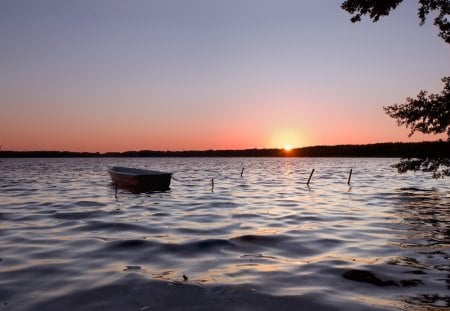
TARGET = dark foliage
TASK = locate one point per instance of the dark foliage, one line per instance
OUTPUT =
(440, 167)
(442, 20)
(378, 8)
(375, 8)
(429, 114)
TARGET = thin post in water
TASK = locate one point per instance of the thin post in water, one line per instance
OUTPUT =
(116, 192)
(212, 184)
(349, 177)
(310, 175)
(242, 172)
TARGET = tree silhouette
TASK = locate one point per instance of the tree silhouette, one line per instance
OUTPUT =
(429, 114)
(378, 8)
(426, 114)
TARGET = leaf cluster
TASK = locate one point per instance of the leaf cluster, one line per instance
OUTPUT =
(429, 114)
(378, 8)
(442, 20)
(440, 167)
(373, 8)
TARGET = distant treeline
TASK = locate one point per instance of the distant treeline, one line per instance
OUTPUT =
(395, 150)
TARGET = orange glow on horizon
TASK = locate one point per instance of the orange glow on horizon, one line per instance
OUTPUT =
(286, 139)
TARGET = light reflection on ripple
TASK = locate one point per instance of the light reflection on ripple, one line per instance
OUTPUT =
(264, 241)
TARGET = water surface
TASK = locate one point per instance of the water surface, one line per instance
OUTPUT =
(263, 241)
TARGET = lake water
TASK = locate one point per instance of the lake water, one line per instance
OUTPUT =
(263, 241)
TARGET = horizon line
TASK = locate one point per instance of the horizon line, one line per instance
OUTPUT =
(222, 150)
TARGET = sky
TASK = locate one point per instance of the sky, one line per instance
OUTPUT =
(114, 75)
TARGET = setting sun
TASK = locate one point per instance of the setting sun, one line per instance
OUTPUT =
(286, 138)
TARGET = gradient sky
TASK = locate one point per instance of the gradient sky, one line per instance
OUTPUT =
(114, 75)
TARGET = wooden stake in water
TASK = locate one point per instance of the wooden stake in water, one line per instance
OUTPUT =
(310, 175)
(349, 177)
(242, 172)
(116, 191)
(212, 184)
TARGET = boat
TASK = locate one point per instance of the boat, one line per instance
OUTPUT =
(140, 180)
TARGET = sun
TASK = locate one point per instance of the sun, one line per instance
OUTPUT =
(287, 148)
(286, 139)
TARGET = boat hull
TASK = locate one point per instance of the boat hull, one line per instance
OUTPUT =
(138, 180)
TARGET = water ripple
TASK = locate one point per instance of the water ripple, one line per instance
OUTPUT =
(264, 241)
